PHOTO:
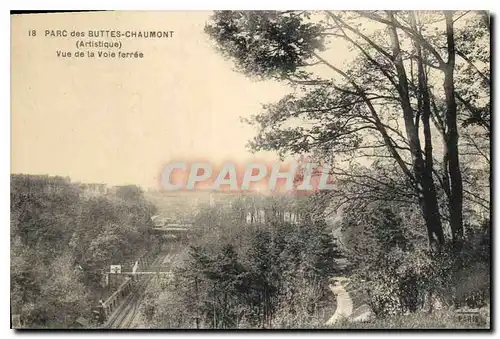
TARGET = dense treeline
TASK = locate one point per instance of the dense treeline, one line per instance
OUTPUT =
(62, 239)
(259, 275)
(398, 274)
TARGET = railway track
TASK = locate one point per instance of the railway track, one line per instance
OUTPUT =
(125, 314)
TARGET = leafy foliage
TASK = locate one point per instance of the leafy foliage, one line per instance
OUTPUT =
(252, 275)
(398, 276)
(266, 42)
(61, 242)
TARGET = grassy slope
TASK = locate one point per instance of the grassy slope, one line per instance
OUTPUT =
(437, 320)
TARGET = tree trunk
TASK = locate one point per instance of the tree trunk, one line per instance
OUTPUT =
(425, 110)
(456, 198)
(424, 181)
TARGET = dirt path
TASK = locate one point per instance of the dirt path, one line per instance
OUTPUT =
(344, 302)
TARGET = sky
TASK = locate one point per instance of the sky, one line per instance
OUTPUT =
(119, 121)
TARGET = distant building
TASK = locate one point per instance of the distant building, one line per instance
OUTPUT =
(93, 189)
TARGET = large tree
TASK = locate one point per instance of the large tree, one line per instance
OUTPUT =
(399, 69)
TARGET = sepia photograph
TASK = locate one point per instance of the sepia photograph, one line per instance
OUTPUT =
(250, 170)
